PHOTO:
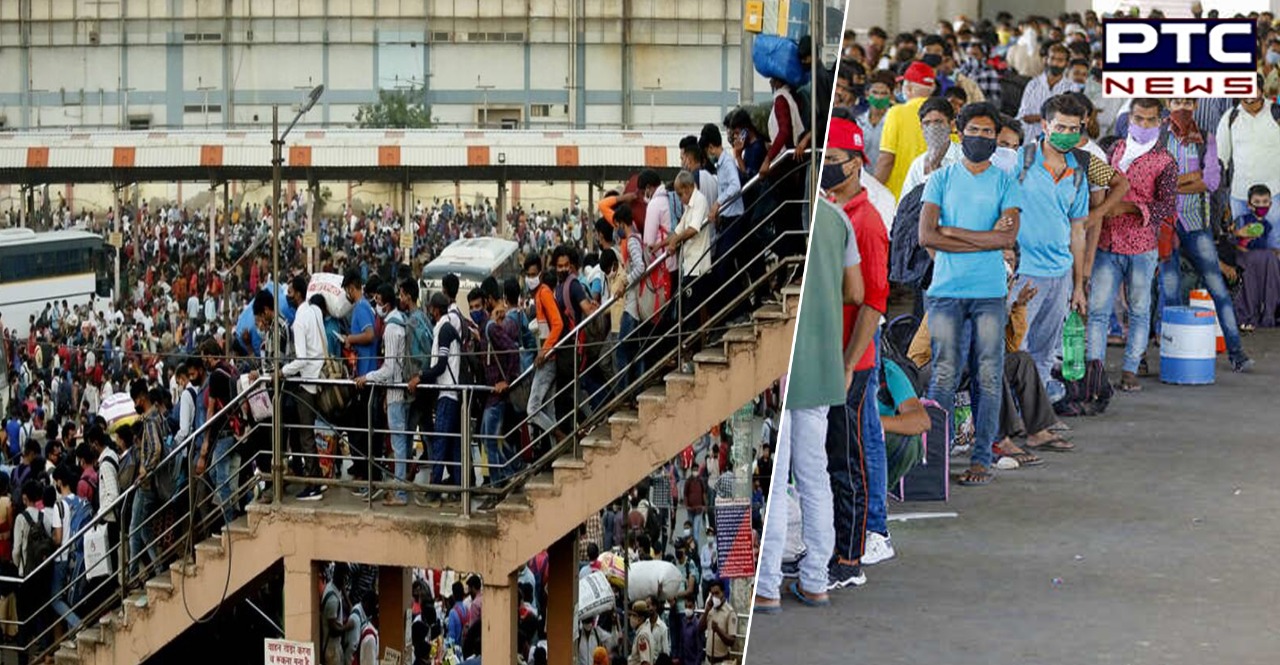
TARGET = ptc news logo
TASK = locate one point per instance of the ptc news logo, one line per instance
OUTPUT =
(1180, 58)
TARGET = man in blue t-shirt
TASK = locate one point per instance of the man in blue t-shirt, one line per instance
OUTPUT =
(363, 341)
(248, 339)
(970, 213)
(1055, 198)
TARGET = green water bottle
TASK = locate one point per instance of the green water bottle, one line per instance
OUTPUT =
(1073, 348)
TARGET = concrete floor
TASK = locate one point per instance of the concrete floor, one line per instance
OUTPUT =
(1154, 543)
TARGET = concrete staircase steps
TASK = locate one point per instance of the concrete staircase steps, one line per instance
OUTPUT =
(542, 485)
(711, 356)
(620, 421)
(679, 384)
(771, 313)
(515, 504)
(160, 586)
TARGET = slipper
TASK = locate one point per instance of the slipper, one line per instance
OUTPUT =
(1059, 426)
(1022, 457)
(805, 598)
(975, 477)
(767, 609)
(1056, 445)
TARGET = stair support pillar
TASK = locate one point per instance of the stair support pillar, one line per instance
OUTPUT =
(301, 599)
(498, 625)
(562, 597)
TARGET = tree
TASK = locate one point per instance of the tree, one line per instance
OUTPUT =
(396, 109)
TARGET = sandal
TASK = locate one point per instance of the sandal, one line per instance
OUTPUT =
(1129, 383)
(1057, 445)
(975, 476)
(804, 597)
(1022, 457)
(767, 605)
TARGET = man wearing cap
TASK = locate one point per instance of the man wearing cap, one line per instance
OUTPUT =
(970, 214)
(856, 461)
(902, 139)
(642, 651)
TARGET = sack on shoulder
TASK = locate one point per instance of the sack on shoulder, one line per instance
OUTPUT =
(332, 400)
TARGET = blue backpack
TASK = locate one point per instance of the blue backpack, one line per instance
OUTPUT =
(75, 520)
(419, 336)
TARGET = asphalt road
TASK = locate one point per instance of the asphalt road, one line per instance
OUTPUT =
(1153, 544)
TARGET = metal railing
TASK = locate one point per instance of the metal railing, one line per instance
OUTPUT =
(168, 529)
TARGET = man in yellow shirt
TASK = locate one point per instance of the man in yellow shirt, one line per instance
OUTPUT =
(902, 139)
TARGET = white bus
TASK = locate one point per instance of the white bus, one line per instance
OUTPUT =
(472, 260)
(41, 268)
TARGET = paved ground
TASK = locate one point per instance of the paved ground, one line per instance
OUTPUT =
(1153, 544)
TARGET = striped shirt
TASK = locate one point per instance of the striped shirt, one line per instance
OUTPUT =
(1193, 209)
(1034, 96)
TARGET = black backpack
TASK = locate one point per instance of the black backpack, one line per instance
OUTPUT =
(895, 339)
(471, 363)
(39, 546)
(909, 263)
(1088, 396)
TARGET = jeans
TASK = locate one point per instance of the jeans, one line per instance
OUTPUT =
(490, 431)
(542, 411)
(446, 446)
(401, 445)
(1198, 246)
(1046, 315)
(1136, 272)
(63, 576)
(984, 357)
(222, 475)
(873, 448)
(142, 528)
(799, 456)
(625, 353)
(1241, 206)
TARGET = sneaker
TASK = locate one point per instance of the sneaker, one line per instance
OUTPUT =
(879, 548)
(841, 574)
(1243, 364)
(312, 493)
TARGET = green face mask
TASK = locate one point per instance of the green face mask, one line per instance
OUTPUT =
(879, 102)
(1064, 142)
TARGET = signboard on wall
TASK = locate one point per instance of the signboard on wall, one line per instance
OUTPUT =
(789, 18)
(285, 652)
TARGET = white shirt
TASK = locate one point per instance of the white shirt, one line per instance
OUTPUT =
(392, 369)
(452, 354)
(881, 198)
(308, 346)
(657, 225)
(1251, 144)
(917, 176)
(694, 257)
(108, 483)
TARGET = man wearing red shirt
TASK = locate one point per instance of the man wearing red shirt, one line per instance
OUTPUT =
(856, 459)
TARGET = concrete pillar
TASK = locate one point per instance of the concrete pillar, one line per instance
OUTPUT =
(395, 595)
(562, 597)
(301, 600)
(499, 638)
(502, 209)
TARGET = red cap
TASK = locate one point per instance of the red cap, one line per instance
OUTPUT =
(918, 72)
(845, 135)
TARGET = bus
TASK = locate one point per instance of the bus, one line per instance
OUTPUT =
(37, 269)
(472, 260)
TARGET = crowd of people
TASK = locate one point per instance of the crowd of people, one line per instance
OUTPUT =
(199, 310)
(1036, 223)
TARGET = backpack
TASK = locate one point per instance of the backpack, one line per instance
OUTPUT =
(1078, 174)
(397, 319)
(1088, 396)
(571, 320)
(76, 515)
(418, 338)
(365, 633)
(895, 339)
(39, 546)
(471, 365)
(909, 263)
(930, 479)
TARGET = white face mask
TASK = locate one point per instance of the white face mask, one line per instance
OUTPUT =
(1004, 159)
(531, 283)
(716, 602)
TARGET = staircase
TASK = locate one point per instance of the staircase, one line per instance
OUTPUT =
(612, 459)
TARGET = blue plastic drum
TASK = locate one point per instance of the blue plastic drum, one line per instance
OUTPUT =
(1188, 346)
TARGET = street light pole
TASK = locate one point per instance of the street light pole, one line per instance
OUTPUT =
(277, 161)
(484, 122)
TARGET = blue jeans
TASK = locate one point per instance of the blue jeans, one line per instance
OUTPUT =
(490, 431)
(446, 446)
(799, 456)
(63, 576)
(142, 528)
(627, 352)
(222, 475)
(1199, 247)
(401, 445)
(1046, 314)
(873, 448)
(983, 356)
(1136, 273)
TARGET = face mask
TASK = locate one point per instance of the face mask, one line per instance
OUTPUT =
(689, 532)
(477, 316)
(879, 102)
(931, 59)
(1273, 57)
(1261, 211)
(531, 283)
(906, 54)
(1054, 70)
(937, 137)
(1064, 142)
(1077, 87)
(1004, 159)
(900, 97)
(978, 149)
(833, 176)
(1143, 135)
(716, 602)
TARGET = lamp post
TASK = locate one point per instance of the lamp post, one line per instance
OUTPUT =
(484, 122)
(205, 89)
(277, 161)
(652, 89)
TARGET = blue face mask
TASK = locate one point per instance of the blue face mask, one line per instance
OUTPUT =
(477, 316)
(1273, 57)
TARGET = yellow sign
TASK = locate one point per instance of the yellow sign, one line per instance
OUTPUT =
(753, 16)
(309, 240)
(406, 238)
(116, 239)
